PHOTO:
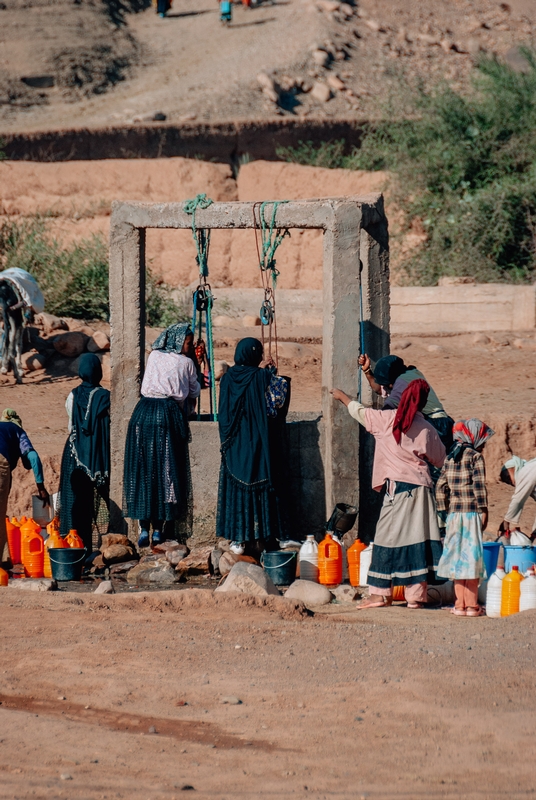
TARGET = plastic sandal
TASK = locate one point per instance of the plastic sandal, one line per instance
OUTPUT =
(157, 537)
(415, 605)
(475, 612)
(458, 612)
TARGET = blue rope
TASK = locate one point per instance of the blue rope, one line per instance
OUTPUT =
(361, 340)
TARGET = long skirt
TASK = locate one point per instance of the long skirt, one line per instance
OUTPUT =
(84, 504)
(407, 545)
(463, 553)
(157, 463)
(246, 513)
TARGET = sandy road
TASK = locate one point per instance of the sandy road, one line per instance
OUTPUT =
(339, 705)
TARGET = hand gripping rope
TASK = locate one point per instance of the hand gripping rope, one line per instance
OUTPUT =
(203, 301)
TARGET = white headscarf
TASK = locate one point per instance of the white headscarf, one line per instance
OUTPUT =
(516, 463)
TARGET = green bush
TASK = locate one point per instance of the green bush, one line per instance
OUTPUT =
(464, 170)
(74, 279)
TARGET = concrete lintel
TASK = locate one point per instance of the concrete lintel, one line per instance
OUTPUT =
(294, 214)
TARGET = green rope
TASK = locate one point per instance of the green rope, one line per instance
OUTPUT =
(271, 239)
(201, 237)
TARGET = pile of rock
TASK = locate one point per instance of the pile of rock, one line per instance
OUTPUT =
(116, 550)
(59, 343)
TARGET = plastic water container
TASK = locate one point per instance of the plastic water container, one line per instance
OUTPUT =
(308, 558)
(32, 549)
(329, 561)
(511, 592)
(73, 539)
(491, 555)
(494, 593)
(522, 557)
(41, 514)
(353, 555)
(4, 577)
(13, 540)
(364, 564)
(54, 541)
(527, 599)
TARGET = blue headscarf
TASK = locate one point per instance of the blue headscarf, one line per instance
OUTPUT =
(172, 339)
(388, 369)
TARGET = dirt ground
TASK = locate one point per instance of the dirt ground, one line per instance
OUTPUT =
(121, 697)
(111, 66)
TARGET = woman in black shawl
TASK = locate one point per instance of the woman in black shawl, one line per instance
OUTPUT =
(85, 464)
(249, 507)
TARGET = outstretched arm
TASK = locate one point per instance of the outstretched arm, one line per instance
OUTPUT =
(364, 362)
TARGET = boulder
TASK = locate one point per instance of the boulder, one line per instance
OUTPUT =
(125, 566)
(99, 341)
(247, 578)
(49, 323)
(105, 587)
(329, 6)
(151, 572)
(345, 593)
(321, 58)
(335, 82)
(33, 361)
(481, 338)
(197, 562)
(33, 584)
(311, 594)
(169, 544)
(321, 92)
(265, 81)
(108, 539)
(228, 560)
(117, 553)
(70, 344)
(176, 556)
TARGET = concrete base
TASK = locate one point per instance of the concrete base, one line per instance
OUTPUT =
(304, 478)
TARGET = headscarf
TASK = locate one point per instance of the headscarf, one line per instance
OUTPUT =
(10, 415)
(243, 419)
(388, 369)
(172, 339)
(471, 433)
(90, 431)
(413, 400)
(248, 352)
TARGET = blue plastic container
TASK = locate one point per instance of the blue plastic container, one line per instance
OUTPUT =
(517, 556)
(491, 556)
(280, 565)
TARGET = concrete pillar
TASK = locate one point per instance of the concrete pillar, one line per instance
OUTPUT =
(340, 352)
(127, 318)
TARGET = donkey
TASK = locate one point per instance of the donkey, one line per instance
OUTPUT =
(11, 306)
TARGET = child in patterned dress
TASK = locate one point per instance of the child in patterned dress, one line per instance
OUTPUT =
(461, 496)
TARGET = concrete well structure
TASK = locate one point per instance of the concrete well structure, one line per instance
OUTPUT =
(327, 452)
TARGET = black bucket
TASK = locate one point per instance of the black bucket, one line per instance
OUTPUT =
(67, 562)
(342, 519)
(280, 565)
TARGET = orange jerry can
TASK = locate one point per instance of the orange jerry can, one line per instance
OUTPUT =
(4, 577)
(32, 549)
(354, 560)
(54, 540)
(329, 561)
(73, 539)
(13, 540)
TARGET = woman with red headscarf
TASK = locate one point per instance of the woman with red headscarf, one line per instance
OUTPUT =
(407, 545)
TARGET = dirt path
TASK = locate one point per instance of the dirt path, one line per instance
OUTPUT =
(389, 703)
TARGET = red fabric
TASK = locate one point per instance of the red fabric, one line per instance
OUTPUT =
(413, 400)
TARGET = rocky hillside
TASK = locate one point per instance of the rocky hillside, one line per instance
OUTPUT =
(102, 62)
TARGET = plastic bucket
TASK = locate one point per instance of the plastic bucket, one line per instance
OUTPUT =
(516, 556)
(67, 562)
(491, 555)
(280, 566)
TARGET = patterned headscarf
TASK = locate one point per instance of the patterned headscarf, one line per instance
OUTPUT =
(468, 433)
(413, 399)
(172, 339)
(10, 415)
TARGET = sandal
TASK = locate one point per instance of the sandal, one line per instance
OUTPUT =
(415, 605)
(475, 612)
(458, 612)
